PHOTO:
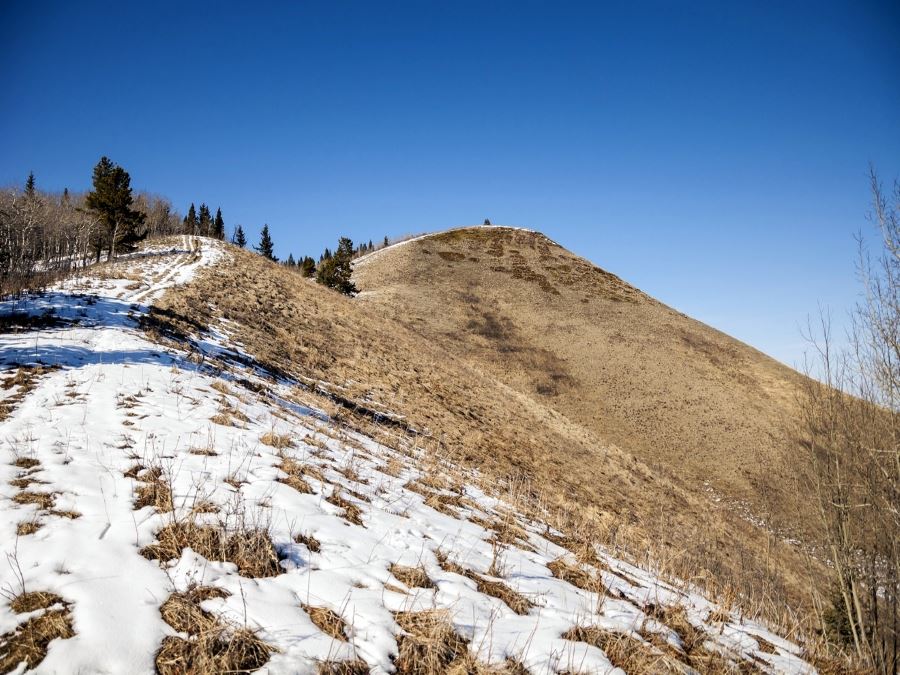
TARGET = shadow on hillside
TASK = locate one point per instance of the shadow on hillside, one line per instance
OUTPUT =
(74, 357)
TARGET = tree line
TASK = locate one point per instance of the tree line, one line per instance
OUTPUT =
(333, 269)
(46, 234)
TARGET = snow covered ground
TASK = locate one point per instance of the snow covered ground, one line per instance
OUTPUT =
(118, 440)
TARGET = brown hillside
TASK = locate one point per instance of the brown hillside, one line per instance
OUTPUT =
(686, 399)
(463, 411)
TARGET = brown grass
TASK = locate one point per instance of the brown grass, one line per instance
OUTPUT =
(576, 575)
(211, 646)
(478, 394)
(352, 512)
(327, 621)
(428, 644)
(295, 472)
(279, 441)
(414, 577)
(343, 668)
(153, 490)
(249, 549)
(26, 462)
(29, 641)
(43, 500)
(625, 651)
(309, 541)
(497, 589)
(27, 527)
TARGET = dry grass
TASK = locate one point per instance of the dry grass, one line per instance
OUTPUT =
(492, 420)
(413, 577)
(343, 668)
(328, 621)
(26, 462)
(428, 643)
(27, 527)
(153, 490)
(25, 481)
(309, 541)
(249, 549)
(211, 646)
(352, 512)
(576, 575)
(43, 500)
(497, 589)
(279, 441)
(625, 651)
(25, 379)
(295, 475)
(29, 641)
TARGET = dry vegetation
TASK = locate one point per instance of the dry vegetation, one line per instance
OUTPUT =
(211, 645)
(29, 641)
(375, 365)
(249, 548)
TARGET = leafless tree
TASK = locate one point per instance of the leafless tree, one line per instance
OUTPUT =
(849, 424)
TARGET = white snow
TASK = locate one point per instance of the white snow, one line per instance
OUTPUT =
(118, 399)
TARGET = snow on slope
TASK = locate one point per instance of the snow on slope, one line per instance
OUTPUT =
(114, 407)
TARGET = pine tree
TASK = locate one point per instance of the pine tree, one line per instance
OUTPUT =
(266, 247)
(290, 262)
(335, 271)
(206, 222)
(308, 266)
(111, 199)
(65, 197)
(29, 185)
(219, 225)
(239, 238)
(190, 221)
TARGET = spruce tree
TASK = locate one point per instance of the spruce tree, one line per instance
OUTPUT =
(239, 238)
(308, 266)
(290, 262)
(266, 247)
(29, 185)
(219, 225)
(190, 221)
(335, 271)
(111, 200)
(385, 240)
(206, 222)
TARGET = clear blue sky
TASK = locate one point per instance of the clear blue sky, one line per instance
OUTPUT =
(714, 154)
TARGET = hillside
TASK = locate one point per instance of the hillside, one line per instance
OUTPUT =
(212, 464)
(688, 400)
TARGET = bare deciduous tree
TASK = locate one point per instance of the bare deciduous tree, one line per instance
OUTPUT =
(849, 424)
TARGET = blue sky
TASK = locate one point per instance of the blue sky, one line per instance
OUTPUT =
(714, 154)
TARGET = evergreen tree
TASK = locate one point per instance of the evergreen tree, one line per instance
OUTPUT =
(111, 200)
(385, 240)
(190, 221)
(206, 222)
(371, 246)
(29, 185)
(219, 225)
(239, 238)
(65, 197)
(335, 271)
(266, 247)
(308, 266)
(290, 262)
